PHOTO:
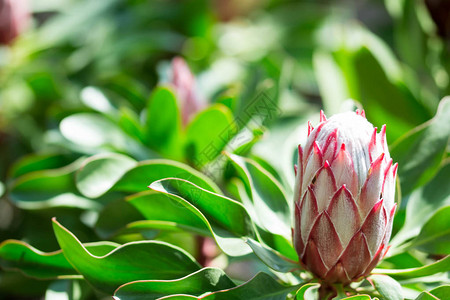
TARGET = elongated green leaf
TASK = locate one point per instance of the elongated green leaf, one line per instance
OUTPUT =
(129, 122)
(138, 178)
(358, 297)
(419, 153)
(279, 243)
(129, 262)
(331, 81)
(260, 287)
(423, 203)
(145, 225)
(179, 297)
(389, 288)
(302, 292)
(441, 292)
(442, 265)
(18, 255)
(156, 206)
(265, 200)
(369, 71)
(208, 134)
(93, 130)
(272, 258)
(100, 172)
(435, 234)
(227, 219)
(38, 162)
(203, 281)
(163, 123)
(114, 217)
(94, 98)
(50, 188)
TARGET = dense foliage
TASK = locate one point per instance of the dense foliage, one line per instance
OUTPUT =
(113, 185)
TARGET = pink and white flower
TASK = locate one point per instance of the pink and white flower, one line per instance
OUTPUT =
(344, 198)
(14, 17)
(184, 82)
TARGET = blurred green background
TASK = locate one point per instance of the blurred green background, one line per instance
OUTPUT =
(77, 82)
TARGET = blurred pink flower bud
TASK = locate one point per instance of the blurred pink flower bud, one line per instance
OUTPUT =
(344, 198)
(184, 83)
(14, 17)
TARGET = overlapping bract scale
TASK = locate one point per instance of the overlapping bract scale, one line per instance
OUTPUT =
(344, 198)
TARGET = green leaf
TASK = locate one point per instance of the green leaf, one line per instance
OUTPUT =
(389, 288)
(260, 287)
(18, 255)
(442, 265)
(302, 293)
(138, 178)
(94, 98)
(435, 234)
(423, 203)
(163, 123)
(129, 262)
(130, 123)
(227, 219)
(208, 134)
(331, 81)
(272, 258)
(155, 206)
(265, 199)
(92, 130)
(203, 281)
(419, 152)
(369, 71)
(100, 172)
(278, 243)
(50, 188)
(38, 162)
(69, 290)
(114, 217)
(179, 297)
(358, 297)
(441, 292)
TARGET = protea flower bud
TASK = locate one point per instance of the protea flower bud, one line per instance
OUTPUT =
(14, 17)
(184, 83)
(344, 198)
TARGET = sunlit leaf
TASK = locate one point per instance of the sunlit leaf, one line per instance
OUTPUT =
(303, 291)
(208, 133)
(442, 265)
(203, 281)
(389, 288)
(100, 172)
(138, 178)
(265, 199)
(419, 153)
(162, 129)
(227, 219)
(50, 188)
(20, 256)
(129, 262)
(272, 259)
(260, 287)
(422, 204)
(440, 292)
(435, 234)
